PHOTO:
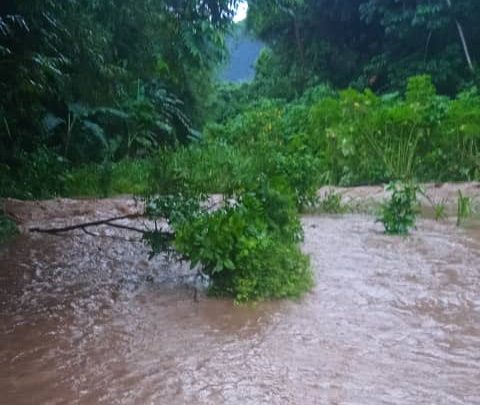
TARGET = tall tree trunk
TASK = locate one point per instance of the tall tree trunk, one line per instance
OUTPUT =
(298, 40)
(463, 40)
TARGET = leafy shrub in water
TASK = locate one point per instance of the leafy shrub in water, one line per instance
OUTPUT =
(399, 213)
(249, 250)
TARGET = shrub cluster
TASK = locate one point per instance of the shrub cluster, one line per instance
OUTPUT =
(352, 137)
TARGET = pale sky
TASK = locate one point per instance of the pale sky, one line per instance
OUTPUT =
(241, 12)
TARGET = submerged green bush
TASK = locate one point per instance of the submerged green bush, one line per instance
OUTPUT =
(399, 213)
(248, 248)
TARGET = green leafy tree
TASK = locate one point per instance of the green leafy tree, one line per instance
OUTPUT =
(69, 72)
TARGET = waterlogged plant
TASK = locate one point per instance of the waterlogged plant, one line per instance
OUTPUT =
(331, 203)
(464, 208)
(439, 211)
(398, 215)
(439, 207)
(249, 251)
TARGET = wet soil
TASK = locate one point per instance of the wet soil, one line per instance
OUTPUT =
(89, 320)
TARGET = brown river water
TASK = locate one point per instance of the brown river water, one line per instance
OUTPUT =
(391, 320)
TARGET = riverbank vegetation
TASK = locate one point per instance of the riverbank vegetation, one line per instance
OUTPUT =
(121, 98)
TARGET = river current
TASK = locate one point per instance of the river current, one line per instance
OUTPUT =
(391, 320)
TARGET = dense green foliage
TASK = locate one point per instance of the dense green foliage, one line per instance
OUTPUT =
(366, 43)
(94, 81)
(356, 137)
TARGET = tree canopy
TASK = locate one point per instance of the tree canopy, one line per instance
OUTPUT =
(375, 43)
(118, 76)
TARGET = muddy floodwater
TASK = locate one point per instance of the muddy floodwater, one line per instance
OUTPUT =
(391, 320)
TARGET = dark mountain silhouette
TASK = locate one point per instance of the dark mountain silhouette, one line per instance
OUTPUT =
(244, 51)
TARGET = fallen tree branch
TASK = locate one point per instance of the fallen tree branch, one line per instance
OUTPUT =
(90, 224)
(89, 233)
(113, 237)
(128, 228)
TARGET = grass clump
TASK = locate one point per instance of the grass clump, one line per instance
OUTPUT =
(439, 211)
(464, 208)
(331, 203)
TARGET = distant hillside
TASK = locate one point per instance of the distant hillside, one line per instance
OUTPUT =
(244, 51)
